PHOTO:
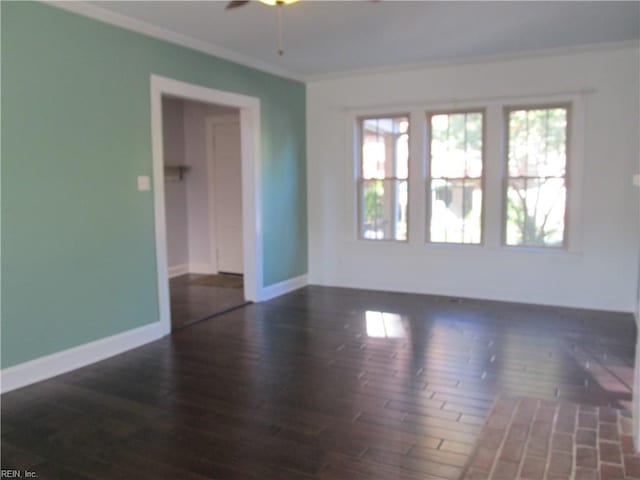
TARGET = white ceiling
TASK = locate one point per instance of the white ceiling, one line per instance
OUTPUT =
(329, 37)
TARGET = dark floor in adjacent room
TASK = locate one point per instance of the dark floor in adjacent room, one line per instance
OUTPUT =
(321, 383)
(196, 297)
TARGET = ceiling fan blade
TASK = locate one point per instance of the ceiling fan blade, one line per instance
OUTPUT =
(236, 4)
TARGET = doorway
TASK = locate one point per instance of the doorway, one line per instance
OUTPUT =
(203, 208)
(221, 266)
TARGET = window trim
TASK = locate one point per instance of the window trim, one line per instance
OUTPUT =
(494, 156)
(359, 180)
(569, 106)
(429, 178)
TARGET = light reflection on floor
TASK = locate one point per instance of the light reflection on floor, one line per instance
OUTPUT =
(384, 325)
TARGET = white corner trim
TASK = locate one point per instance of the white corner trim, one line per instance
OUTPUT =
(635, 404)
(61, 362)
(636, 372)
(283, 287)
(178, 270)
(94, 12)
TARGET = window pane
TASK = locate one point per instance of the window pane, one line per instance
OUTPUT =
(456, 145)
(383, 207)
(537, 142)
(385, 147)
(456, 173)
(535, 212)
(456, 211)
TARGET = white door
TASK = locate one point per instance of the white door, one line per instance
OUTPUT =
(228, 196)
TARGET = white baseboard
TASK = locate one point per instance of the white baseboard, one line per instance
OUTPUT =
(61, 362)
(201, 268)
(178, 270)
(548, 298)
(185, 268)
(281, 288)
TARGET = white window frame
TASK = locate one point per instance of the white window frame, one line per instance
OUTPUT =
(494, 172)
(359, 179)
(575, 138)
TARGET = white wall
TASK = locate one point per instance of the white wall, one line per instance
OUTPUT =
(599, 271)
(199, 185)
(175, 191)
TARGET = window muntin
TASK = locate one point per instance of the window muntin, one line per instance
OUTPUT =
(383, 172)
(456, 144)
(535, 187)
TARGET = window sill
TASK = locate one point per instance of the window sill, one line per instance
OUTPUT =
(478, 248)
(384, 241)
(540, 250)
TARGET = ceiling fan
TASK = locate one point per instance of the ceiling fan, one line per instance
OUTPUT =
(240, 3)
(272, 3)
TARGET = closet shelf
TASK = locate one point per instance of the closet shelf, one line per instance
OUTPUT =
(175, 172)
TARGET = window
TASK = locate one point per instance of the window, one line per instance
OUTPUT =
(535, 190)
(498, 173)
(455, 177)
(383, 177)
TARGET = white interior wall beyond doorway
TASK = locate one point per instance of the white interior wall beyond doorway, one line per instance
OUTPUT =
(225, 192)
(175, 188)
(249, 108)
(200, 185)
(197, 198)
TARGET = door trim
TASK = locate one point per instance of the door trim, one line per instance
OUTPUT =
(251, 186)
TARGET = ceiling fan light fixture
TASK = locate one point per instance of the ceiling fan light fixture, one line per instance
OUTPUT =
(273, 3)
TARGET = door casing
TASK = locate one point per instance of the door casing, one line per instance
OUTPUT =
(251, 160)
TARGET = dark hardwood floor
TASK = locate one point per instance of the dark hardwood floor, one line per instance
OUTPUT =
(192, 301)
(320, 383)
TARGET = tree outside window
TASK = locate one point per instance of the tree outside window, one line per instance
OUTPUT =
(536, 192)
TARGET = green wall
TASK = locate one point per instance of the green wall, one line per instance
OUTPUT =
(78, 257)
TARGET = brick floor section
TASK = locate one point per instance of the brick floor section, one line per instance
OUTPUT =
(530, 439)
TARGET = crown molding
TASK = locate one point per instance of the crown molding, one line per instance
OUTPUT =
(498, 58)
(94, 12)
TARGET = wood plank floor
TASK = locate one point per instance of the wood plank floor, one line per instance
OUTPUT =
(192, 301)
(320, 383)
